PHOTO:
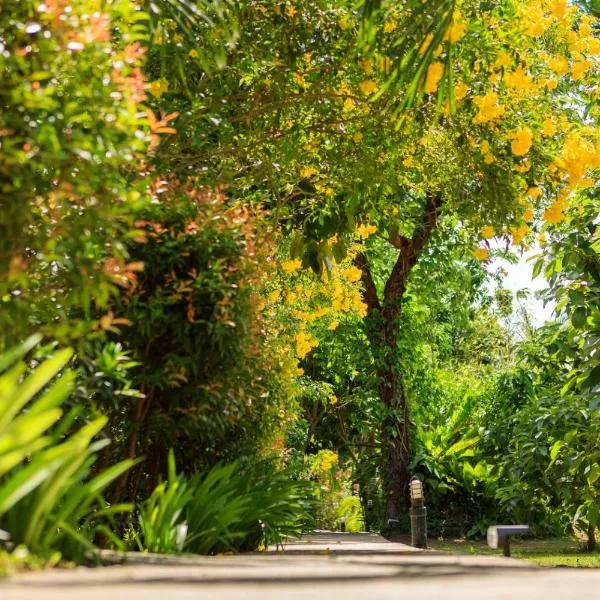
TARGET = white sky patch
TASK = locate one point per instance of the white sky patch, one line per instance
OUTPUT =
(520, 277)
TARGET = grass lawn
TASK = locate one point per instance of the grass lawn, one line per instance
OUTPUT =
(559, 552)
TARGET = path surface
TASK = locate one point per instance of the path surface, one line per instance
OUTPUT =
(318, 566)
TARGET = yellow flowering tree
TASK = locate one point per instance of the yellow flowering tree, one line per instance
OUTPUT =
(494, 134)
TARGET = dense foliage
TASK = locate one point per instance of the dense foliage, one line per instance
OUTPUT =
(264, 238)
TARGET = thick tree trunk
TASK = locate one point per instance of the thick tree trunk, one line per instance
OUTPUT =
(383, 333)
(395, 447)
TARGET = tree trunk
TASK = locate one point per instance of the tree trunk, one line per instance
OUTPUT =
(591, 541)
(139, 412)
(383, 327)
(395, 447)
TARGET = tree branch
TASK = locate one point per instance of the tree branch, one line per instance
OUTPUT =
(369, 292)
(410, 249)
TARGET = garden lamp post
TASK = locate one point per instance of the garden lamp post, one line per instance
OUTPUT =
(418, 514)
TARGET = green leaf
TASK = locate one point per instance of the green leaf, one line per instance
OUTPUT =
(579, 317)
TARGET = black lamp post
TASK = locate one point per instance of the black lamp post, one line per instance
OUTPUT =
(418, 514)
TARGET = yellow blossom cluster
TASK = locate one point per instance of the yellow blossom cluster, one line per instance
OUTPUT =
(309, 305)
(522, 140)
(489, 107)
(481, 253)
(551, 48)
(305, 342)
(434, 75)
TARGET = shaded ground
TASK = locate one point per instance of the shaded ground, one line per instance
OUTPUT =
(329, 566)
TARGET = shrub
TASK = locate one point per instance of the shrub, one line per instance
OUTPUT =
(216, 378)
(71, 140)
(47, 500)
(232, 507)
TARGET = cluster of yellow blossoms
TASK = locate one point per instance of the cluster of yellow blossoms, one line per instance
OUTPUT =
(310, 304)
(552, 69)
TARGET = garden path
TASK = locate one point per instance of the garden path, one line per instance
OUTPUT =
(320, 565)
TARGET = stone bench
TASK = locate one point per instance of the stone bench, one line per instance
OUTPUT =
(498, 536)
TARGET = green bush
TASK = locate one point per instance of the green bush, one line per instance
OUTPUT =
(48, 502)
(233, 507)
(216, 377)
(72, 136)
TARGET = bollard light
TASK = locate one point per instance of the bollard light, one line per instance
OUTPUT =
(418, 514)
(416, 491)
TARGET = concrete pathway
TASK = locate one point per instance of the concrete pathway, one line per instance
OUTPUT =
(320, 565)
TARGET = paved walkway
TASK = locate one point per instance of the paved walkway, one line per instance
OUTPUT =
(321, 565)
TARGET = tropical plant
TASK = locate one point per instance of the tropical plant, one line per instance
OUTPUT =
(351, 514)
(302, 121)
(47, 500)
(232, 507)
(161, 516)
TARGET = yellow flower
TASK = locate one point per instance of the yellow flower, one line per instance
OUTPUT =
(300, 80)
(290, 11)
(426, 43)
(351, 273)
(489, 108)
(502, 60)
(384, 63)
(357, 137)
(522, 140)
(367, 66)
(290, 266)
(434, 75)
(364, 231)
(534, 20)
(390, 26)
(488, 232)
(518, 233)
(579, 69)
(367, 87)
(305, 342)
(333, 325)
(555, 212)
(193, 53)
(481, 253)
(559, 64)
(158, 88)
(534, 192)
(460, 91)
(558, 8)
(456, 30)
(518, 80)
(307, 172)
